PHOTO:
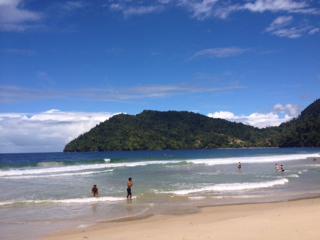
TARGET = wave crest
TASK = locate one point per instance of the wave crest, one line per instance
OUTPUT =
(228, 187)
(58, 175)
(108, 164)
(65, 201)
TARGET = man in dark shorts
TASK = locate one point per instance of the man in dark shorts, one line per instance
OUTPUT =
(129, 186)
(95, 191)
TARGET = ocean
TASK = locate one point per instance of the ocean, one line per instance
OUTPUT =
(42, 193)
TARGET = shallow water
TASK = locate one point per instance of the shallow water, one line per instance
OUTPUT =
(46, 192)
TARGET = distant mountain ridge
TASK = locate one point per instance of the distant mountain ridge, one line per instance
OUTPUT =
(154, 130)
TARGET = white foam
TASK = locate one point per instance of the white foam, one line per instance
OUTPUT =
(50, 164)
(6, 203)
(144, 163)
(209, 162)
(197, 198)
(227, 187)
(221, 161)
(77, 168)
(66, 201)
(57, 175)
(107, 160)
(81, 226)
(31, 171)
(313, 165)
(293, 176)
(256, 159)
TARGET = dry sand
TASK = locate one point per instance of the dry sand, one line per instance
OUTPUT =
(295, 220)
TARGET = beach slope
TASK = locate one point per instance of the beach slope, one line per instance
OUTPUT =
(294, 220)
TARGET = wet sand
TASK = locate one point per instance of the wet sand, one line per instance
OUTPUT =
(294, 220)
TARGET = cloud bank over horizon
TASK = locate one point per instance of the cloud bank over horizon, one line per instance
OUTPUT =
(50, 130)
(47, 131)
(280, 114)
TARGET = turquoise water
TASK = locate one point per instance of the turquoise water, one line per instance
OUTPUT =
(46, 192)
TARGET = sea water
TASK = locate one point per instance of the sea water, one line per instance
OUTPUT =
(43, 193)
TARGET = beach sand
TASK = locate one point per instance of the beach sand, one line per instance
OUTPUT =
(292, 220)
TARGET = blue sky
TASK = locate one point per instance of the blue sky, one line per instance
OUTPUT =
(212, 56)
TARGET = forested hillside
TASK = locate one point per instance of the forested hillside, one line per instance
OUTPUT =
(154, 130)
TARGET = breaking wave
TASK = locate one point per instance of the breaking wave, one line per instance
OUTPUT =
(65, 201)
(52, 168)
(228, 187)
(32, 171)
(256, 159)
(68, 174)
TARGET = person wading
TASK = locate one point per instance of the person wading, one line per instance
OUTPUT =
(129, 187)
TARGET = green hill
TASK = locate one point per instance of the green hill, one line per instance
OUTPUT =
(303, 131)
(154, 130)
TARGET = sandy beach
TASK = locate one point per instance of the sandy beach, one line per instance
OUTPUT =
(284, 220)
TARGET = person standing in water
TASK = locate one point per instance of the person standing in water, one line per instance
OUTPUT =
(129, 186)
(95, 191)
(239, 165)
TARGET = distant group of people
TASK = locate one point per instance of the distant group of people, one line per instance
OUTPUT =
(279, 167)
(95, 190)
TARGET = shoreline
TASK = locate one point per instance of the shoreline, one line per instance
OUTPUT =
(187, 149)
(278, 217)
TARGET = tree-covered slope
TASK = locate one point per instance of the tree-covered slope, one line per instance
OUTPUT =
(154, 130)
(303, 131)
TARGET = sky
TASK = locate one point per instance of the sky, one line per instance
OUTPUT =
(65, 66)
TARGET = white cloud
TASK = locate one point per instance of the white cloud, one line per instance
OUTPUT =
(292, 32)
(281, 113)
(9, 94)
(73, 5)
(199, 9)
(203, 9)
(50, 130)
(45, 131)
(279, 22)
(220, 52)
(314, 30)
(129, 11)
(290, 109)
(282, 27)
(275, 5)
(13, 17)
